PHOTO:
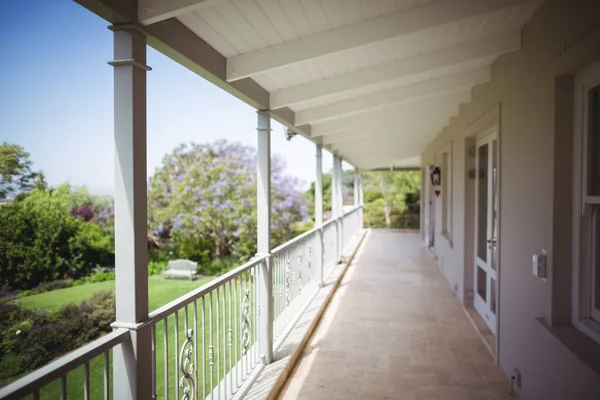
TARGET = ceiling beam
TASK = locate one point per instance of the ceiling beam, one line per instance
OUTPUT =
(389, 130)
(483, 48)
(405, 164)
(354, 35)
(382, 144)
(378, 153)
(412, 137)
(444, 104)
(375, 158)
(153, 11)
(389, 98)
(358, 133)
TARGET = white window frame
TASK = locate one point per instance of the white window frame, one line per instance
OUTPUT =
(447, 170)
(584, 315)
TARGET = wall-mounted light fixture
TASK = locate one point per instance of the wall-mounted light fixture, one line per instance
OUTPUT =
(436, 176)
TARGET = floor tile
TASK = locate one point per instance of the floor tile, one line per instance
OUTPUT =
(396, 331)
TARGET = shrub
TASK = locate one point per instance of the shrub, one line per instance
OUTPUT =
(156, 267)
(99, 275)
(31, 338)
(40, 241)
(218, 266)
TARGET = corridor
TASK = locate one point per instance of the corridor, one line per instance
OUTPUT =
(395, 330)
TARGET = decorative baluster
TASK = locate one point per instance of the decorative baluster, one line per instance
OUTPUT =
(309, 258)
(230, 339)
(106, 375)
(240, 326)
(288, 280)
(176, 353)
(186, 382)
(63, 387)
(203, 348)
(166, 359)
(86, 381)
(281, 288)
(153, 359)
(217, 317)
(300, 248)
(211, 349)
(246, 322)
(224, 342)
(254, 274)
(246, 326)
(237, 341)
(196, 349)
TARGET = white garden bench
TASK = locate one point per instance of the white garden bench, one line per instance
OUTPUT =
(181, 269)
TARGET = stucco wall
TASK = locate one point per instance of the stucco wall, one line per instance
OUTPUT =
(561, 38)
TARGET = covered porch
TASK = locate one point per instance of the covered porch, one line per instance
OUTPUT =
(493, 98)
(395, 330)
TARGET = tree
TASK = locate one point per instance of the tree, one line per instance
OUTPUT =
(41, 241)
(347, 189)
(326, 180)
(392, 188)
(16, 176)
(205, 195)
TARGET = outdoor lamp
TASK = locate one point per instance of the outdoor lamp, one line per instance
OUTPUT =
(436, 176)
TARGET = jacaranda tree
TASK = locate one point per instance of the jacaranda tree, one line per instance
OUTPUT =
(203, 201)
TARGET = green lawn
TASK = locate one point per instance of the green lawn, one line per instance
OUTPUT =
(161, 292)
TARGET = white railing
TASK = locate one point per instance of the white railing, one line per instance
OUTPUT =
(295, 269)
(351, 225)
(205, 344)
(214, 349)
(51, 380)
(330, 247)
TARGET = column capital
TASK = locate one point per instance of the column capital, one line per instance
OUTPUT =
(129, 62)
(130, 46)
(128, 27)
(263, 121)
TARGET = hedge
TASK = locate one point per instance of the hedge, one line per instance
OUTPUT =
(31, 338)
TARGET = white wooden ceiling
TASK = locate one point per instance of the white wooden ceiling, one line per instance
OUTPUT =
(372, 80)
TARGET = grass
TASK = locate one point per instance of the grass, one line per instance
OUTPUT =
(160, 292)
(227, 320)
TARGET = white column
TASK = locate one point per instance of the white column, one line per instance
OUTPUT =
(319, 214)
(319, 188)
(132, 363)
(340, 192)
(361, 201)
(341, 186)
(263, 200)
(335, 205)
(334, 188)
(356, 189)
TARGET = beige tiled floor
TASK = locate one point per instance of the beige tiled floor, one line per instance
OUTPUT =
(394, 330)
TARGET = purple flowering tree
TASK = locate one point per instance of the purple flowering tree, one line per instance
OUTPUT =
(208, 192)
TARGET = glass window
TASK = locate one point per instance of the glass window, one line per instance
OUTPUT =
(445, 190)
(594, 143)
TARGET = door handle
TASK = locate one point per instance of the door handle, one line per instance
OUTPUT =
(492, 241)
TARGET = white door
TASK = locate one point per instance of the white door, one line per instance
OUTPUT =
(431, 202)
(486, 229)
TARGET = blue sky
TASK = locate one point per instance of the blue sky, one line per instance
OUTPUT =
(56, 99)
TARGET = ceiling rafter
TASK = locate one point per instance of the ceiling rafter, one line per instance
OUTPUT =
(401, 95)
(153, 11)
(440, 104)
(395, 129)
(355, 35)
(479, 49)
